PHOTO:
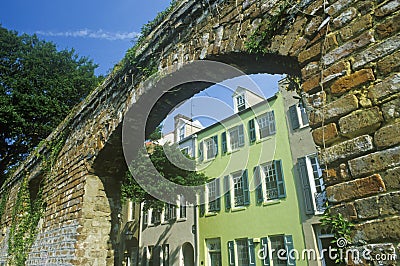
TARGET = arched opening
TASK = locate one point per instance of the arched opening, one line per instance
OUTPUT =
(157, 98)
(131, 253)
(187, 254)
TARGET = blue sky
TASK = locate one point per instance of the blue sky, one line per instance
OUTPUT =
(100, 30)
(103, 31)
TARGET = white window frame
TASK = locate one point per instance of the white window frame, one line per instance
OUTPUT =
(246, 241)
(264, 182)
(213, 246)
(209, 149)
(181, 133)
(180, 209)
(131, 211)
(208, 194)
(269, 119)
(240, 100)
(239, 175)
(320, 235)
(241, 138)
(312, 180)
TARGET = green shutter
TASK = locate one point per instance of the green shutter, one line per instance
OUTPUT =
(305, 181)
(218, 192)
(231, 253)
(291, 256)
(294, 119)
(227, 192)
(215, 139)
(246, 192)
(265, 254)
(202, 203)
(271, 124)
(252, 131)
(280, 179)
(223, 143)
(258, 184)
(201, 154)
(241, 135)
(252, 255)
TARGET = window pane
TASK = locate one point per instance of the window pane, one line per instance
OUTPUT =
(234, 138)
(270, 181)
(243, 252)
(266, 124)
(212, 191)
(210, 148)
(238, 189)
(277, 244)
(182, 209)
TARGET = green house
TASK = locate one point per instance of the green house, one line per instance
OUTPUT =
(249, 212)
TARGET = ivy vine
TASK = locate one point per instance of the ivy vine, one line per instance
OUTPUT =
(3, 202)
(341, 229)
(262, 36)
(25, 217)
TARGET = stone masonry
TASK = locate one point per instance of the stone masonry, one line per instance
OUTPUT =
(346, 53)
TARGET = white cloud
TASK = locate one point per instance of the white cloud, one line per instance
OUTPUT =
(86, 33)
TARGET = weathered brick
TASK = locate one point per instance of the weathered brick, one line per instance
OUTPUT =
(337, 6)
(387, 8)
(352, 81)
(347, 149)
(340, 107)
(327, 134)
(361, 122)
(389, 204)
(310, 54)
(375, 162)
(314, 7)
(367, 208)
(336, 175)
(389, 64)
(391, 110)
(298, 46)
(357, 27)
(312, 26)
(388, 27)
(316, 100)
(377, 51)
(347, 210)
(379, 230)
(356, 189)
(388, 136)
(344, 17)
(348, 48)
(311, 83)
(310, 69)
(392, 178)
(385, 88)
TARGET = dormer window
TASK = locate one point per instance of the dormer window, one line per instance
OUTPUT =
(240, 102)
(182, 132)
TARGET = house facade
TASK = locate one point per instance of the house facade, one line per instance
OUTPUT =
(251, 205)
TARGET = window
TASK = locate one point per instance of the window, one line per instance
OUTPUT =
(182, 132)
(165, 251)
(169, 212)
(185, 151)
(313, 184)
(213, 192)
(131, 210)
(240, 102)
(276, 250)
(155, 216)
(266, 124)
(236, 137)
(182, 207)
(240, 192)
(241, 252)
(214, 252)
(145, 217)
(269, 181)
(211, 147)
(298, 116)
(324, 240)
